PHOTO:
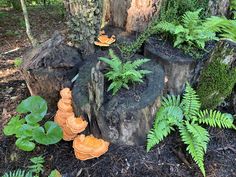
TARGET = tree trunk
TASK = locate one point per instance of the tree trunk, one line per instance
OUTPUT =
(49, 67)
(124, 118)
(27, 24)
(218, 76)
(87, 18)
(219, 7)
(179, 68)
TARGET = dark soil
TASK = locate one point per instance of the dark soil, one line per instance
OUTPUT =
(167, 159)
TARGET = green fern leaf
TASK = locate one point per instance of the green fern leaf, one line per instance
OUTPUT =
(161, 129)
(190, 103)
(18, 173)
(195, 147)
(170, 100)
(216, 119)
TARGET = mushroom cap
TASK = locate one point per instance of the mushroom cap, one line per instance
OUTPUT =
(81, 156)
(68, 135)
(76, 125)
(66, 93)
(90, 145)
(64, 107)
(101, 44)
(106, 40)
(66, 101)
(61, 117)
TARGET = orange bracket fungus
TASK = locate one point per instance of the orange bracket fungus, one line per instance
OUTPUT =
(65, 117)
(104, 40)
(88, 147)
(85, 147)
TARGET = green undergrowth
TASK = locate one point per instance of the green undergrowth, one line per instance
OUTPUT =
(216, 82)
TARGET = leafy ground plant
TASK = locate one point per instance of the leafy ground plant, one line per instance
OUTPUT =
(34, 170)
(37, 165)
(121, 74)
(186, 116)
(191, 32)
(27, 130)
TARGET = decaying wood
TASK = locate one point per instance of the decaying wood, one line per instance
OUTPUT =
(178, 69)
(118, 119)
(140, 14)
(219, 7)
(49, 67)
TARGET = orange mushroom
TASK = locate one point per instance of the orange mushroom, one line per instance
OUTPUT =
(101, 44)
(66, 93)
(104, 40)
(76, 125)
(68, 135)
(62, 106)
(89, 145)
(61, 117)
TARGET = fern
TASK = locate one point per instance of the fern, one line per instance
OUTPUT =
(216, 119)
(191, 103)
(196, 144)
(37, 165)
(186, 115)
(191, 32)
(18, 173)
(121, 74)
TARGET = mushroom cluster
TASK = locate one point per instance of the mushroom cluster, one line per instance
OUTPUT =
(65, 117)
(85, 147)
(104, 40)
(88, 147)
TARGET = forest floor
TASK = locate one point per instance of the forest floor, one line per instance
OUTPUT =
(167, 159)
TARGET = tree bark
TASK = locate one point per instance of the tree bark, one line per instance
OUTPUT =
(124, 118)
(49, 67)
(27, 24)
(179, 68)
(219, 7)
(218, 77)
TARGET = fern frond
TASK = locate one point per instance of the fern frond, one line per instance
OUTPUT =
(214, 23)
(18, 173)
(166, 118)
(190, 103)
(170, 100)
(215, 118)
(195, 147)
(191, 19)
(137, 63)
(166, 27)
(161, 129)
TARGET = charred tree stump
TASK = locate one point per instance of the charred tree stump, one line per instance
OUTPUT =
(124, 118)
(49, 67)
(218, 77)
(179, 67)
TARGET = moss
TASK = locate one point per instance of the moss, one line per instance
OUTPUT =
(217, 79)
(84, 26)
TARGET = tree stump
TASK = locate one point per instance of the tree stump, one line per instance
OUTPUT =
(219, 7)
(179, 67)
(124, 118)
(49, 67)
(218, 77)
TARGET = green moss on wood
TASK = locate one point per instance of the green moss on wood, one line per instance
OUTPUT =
(217, 78)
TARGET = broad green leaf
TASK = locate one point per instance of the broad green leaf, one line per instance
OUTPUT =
(55, 173)
(50, 135)
(13, 126)
(36, 105)
(26, 130)
(33, 118)
(25, 144)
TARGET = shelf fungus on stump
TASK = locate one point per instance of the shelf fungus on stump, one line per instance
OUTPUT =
(89, 147)
(66, 119)
(104, 40)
